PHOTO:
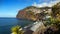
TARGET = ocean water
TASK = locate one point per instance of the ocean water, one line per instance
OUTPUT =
(7, 23)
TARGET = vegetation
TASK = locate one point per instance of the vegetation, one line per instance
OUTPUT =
(56, 13)
(54, 21)
(17, 30)
(56, 9)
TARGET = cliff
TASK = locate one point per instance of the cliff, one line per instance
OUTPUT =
(32, 13)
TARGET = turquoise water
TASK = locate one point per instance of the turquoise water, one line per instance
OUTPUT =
(7, 23)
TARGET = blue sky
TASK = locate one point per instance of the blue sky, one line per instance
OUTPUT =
(10, 8)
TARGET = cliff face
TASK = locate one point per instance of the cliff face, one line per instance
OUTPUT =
(27, 13)
(32, 13)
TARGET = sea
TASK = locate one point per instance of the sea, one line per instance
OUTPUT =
(6, 23)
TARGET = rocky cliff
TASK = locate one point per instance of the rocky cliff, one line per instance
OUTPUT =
(33, 13)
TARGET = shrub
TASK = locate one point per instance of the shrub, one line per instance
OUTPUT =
(16, 30)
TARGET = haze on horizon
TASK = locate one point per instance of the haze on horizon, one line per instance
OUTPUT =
(10, 8)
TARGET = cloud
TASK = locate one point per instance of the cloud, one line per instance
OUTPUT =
(49, 4)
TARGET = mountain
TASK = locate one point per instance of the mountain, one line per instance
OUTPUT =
(33, 13)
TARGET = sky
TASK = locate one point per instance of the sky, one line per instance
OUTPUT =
(10, 8)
